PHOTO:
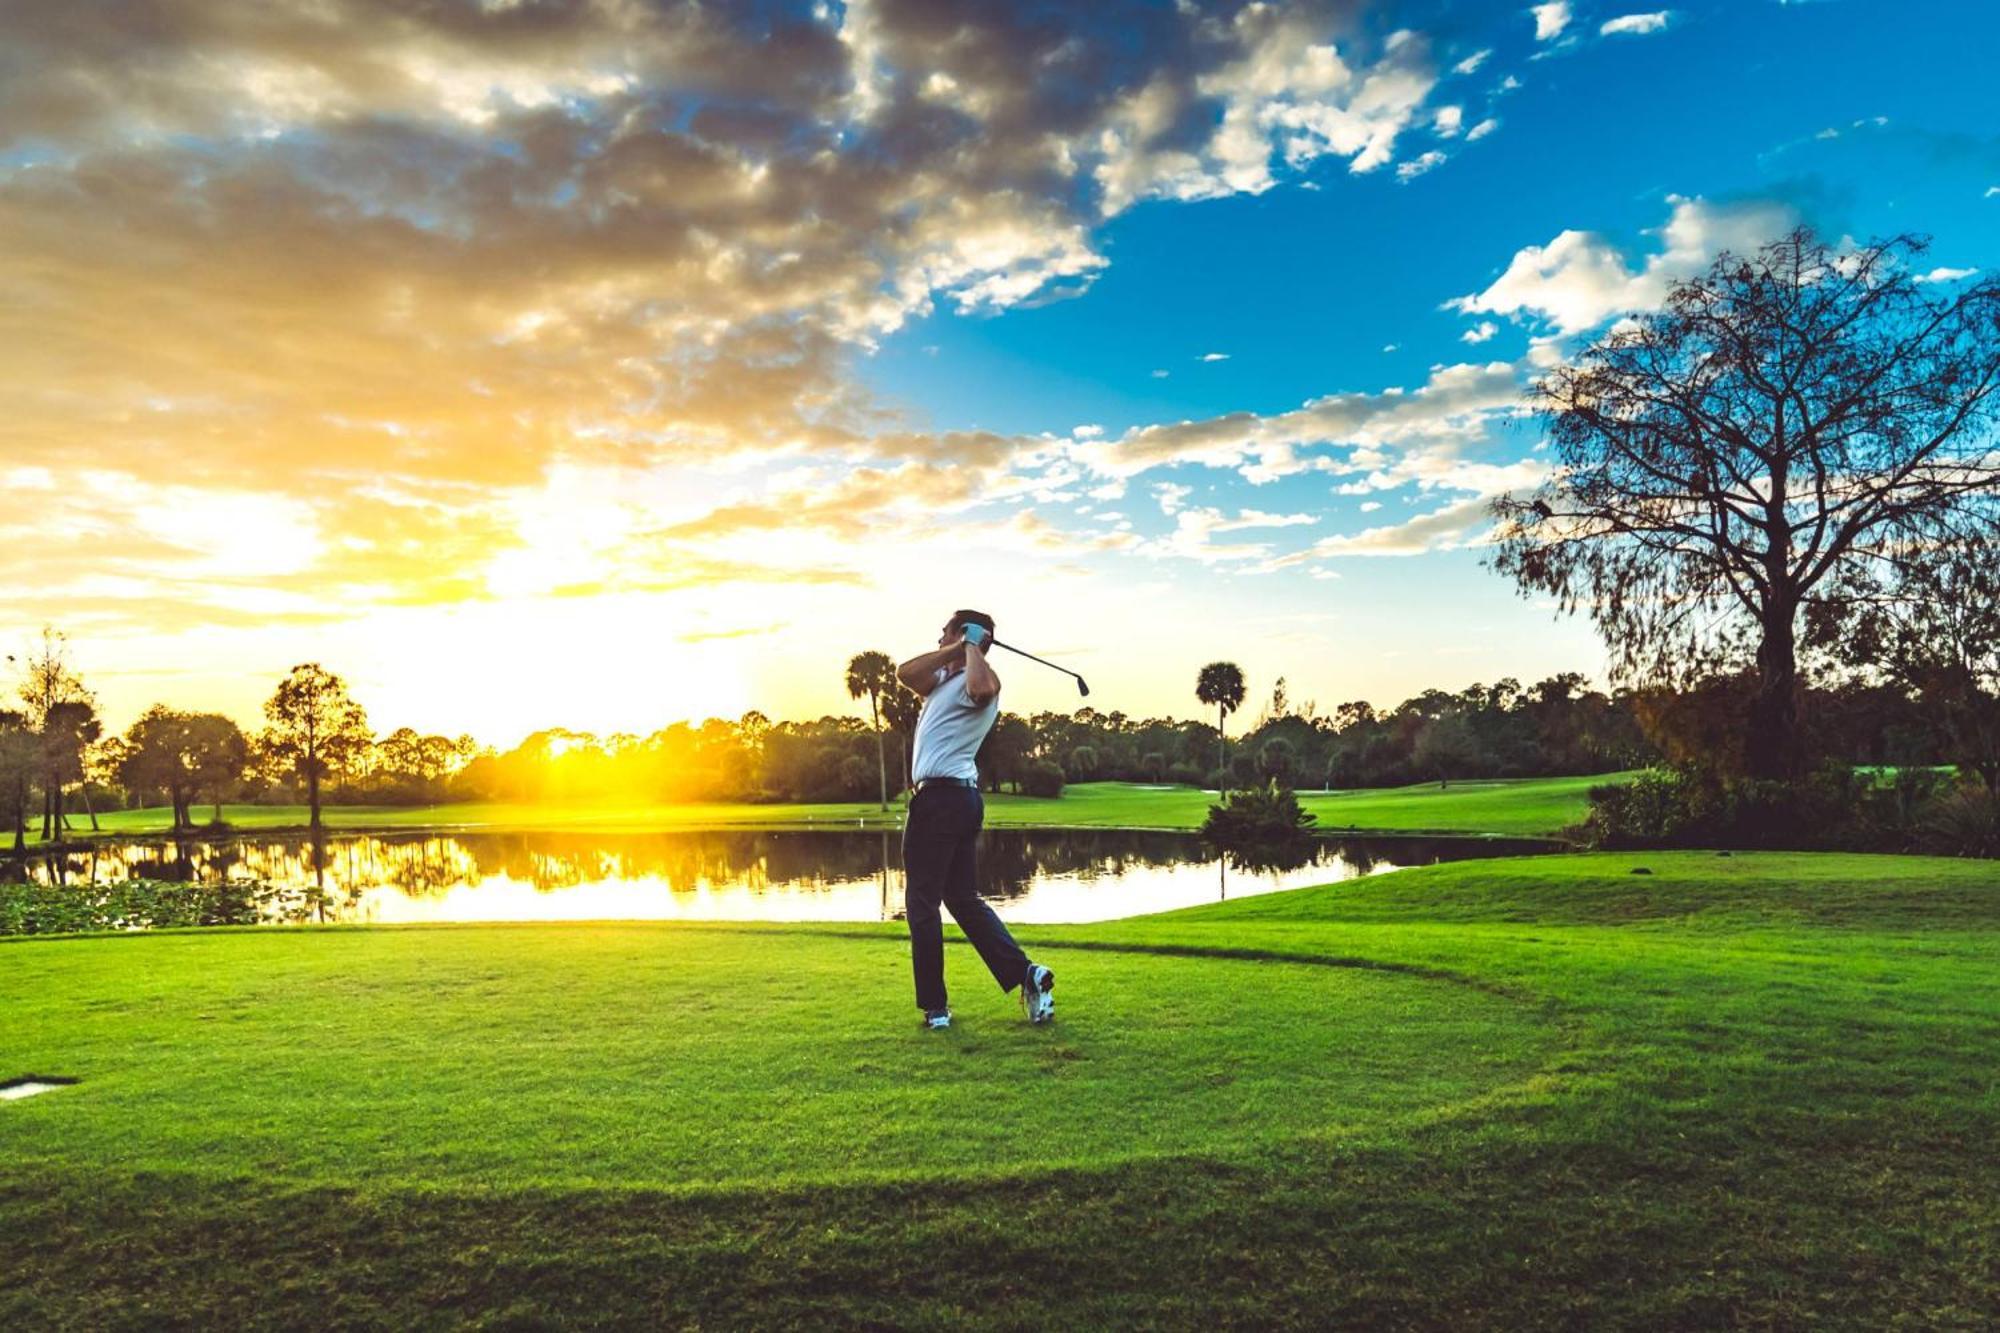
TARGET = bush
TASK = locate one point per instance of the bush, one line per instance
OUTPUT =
(1650, 811)
(1835, 809)
(1187, 774)
(1264, 815)
(1964, 822)
(1042, 778)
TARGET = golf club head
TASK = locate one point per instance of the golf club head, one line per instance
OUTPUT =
(1082, 688)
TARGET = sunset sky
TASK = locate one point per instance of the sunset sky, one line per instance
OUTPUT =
(603, 364)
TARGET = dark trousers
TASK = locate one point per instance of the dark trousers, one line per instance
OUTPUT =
(940, 862)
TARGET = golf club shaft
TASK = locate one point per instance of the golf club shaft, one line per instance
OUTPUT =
(1032, 658)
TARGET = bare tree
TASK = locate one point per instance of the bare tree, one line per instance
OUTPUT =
(1785, 422)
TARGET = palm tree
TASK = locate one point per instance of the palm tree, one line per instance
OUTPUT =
(1221, 684)
(874, 675)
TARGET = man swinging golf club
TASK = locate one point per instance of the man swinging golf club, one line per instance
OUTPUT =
(941, 836)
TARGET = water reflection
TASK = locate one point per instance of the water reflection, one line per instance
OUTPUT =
(1041, 875)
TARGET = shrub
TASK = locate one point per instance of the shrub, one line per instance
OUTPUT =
(1187, 774)
(1963, 822)
(1264, 815)
(1652, 810)
(1042, 778)
(1834, 809)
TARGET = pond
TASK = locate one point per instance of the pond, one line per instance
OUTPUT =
(1057, 875)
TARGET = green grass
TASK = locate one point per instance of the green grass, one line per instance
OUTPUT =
(1756, 1090)
(513, 1057)
(1526, 807)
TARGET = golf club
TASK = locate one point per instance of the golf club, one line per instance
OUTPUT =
(1081, 688)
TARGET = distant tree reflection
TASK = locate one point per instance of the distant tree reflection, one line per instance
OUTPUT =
(299, 879)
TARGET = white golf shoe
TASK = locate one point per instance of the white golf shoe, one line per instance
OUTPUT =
(1038, 997)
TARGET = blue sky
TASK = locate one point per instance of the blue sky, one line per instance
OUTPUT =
(1865, 119)
(646, 363)
(1303, 286)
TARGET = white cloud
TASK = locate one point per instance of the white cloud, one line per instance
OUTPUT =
(1257, 518)
(1946, 274)
(1380, 432)
(1545, 352)
(1580, 279)
(1447, 121)
(1214, 356)
(1485, 329)
(1452, 526)
(1290, 90)
(1389, 347)
(1161, 374)
(1991, 191)
(1370, 506)
(1481, 130)
(1636, 24)
(1417, 166)
(1195, 529)
(1550, 19)
(1364, 124)
(1471, 64)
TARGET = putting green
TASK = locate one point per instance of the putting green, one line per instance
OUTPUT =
(626, 1055)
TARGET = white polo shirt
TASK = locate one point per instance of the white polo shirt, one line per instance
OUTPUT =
(951, 729)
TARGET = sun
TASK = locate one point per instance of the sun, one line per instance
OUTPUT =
(504, 668)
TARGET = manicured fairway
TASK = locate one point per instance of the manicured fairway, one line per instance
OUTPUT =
(1737, 1091)
(1523, 807)
(649, 1055)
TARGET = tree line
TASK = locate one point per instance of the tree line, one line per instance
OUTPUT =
(58, 765)
(55, 748)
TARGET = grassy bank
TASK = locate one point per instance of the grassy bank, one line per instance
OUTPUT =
(1524, 807)
(1750, 1090)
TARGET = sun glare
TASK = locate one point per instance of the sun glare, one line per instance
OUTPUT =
(502, 669)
